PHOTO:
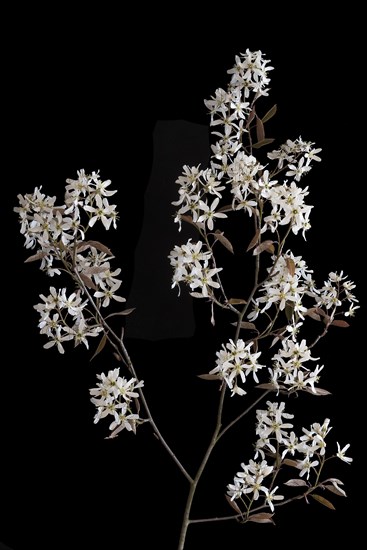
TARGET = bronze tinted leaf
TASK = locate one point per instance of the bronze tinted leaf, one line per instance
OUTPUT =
(323, 501)
(233, 505)
(262, 517)
(254, 240)
(35, 257)
(101, 345)
(291, 266)
(260, 132)
(87, 281)
(339, 323)
(270, 114)
(263, 142)
(265, 245)
(100, 246)
(225, 242)
(235, 301)
(296, 483)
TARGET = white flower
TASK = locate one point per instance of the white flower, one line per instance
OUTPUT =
(109, 293)
(341, 454)
(270, 496)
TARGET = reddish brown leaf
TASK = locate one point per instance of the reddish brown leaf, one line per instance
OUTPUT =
(334, 490)
(101, 345)
(265, 245)
(186, 218)
(318, 391)
(35, 257)
(339, 323)
(290, 462)
(87, 281)
(262, 517)
(254, 240)
(263, 142)
(235, 301)
(94, 270)
(226, 208)
(246, 325)
(124, 312)
(251, 117)
(291, 266)
(233, 505)
(296, 483)
(323, 501)
(266, 386)
(260, 132)
(222, 239)
(100, 246)
(269, 114)
(209, 376)
(312, 313)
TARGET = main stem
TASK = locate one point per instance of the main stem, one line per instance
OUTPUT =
(195, 481)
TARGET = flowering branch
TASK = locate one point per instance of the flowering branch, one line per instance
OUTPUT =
(284, 297)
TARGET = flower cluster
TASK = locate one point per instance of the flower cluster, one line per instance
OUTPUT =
(192, 266)
(115, 396)
(277, 440)
(235, 362)
(59, 232)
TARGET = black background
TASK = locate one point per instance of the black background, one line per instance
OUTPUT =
(86, 91)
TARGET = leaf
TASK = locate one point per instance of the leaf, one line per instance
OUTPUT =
(246, 325)
(260, 132)
(187, 219)
(263, 142)
(225, 242)
(99, 246)
(209, 376)
(251, 117)
(254, 240)
(266, 386)
(323, 501)
(101, 345)
(35, 257)
(312, 313)
(124, 312)
(265, 245)
(233, 504)
(296, 483)
(226, 208)
(94, 269)
(335, 490)
(339, 323)
(290, 462)
(291, 266)
(318, 391)
(235, 301)
(269, 114)
(262, 517)
(288, 310)
(87, 281)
